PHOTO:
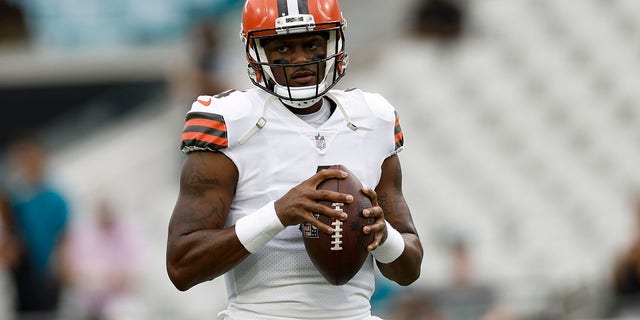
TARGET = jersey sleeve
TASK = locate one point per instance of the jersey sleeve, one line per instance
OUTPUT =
(214, 123)
(385, 111)
(204, 131)
(398, 135)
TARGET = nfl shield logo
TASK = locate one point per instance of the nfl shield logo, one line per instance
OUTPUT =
(309, 230)
(320, 142)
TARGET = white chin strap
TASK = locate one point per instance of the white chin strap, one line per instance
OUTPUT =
(300, 93)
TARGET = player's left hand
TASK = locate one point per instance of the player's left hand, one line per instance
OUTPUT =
(378, 228)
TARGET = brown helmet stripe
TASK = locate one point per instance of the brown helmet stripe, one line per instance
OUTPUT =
(303, 6)
(283, 9)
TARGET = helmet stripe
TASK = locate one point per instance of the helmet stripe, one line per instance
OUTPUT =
(303, 6)
(283, 10)
(292, 7)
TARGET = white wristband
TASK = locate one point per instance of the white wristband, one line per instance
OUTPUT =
(392, 247)
(256, 229)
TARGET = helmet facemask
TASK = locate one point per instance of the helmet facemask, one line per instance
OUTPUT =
(261, 72)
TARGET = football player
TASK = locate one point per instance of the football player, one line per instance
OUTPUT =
(250, 176)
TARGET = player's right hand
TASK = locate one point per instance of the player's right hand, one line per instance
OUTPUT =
(301, 202)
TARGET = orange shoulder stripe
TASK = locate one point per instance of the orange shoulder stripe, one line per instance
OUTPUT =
(206, 123)
(399, 136)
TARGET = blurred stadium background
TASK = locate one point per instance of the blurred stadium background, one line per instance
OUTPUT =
(522, 130)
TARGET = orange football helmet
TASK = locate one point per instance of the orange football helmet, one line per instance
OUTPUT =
(271, 18)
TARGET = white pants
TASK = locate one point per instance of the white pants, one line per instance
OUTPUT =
(224, 315)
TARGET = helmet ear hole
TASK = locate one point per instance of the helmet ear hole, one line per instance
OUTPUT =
(343, 61)
(258, 76)
(255, 72)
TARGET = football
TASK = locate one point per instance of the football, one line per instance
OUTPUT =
(339, 256)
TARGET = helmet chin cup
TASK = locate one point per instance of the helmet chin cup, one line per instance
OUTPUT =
(298, 95)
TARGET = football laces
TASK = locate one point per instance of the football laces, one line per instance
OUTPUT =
(336, 241)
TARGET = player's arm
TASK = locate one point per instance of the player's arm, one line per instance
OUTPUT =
(392, 206)
(199, 248)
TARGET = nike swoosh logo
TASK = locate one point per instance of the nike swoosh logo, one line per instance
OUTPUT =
(205, 103)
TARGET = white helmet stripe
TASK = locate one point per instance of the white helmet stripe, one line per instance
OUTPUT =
(293, 7)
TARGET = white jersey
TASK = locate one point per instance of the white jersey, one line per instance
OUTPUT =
(280, 281)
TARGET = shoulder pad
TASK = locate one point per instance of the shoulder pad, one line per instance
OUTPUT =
(231, 104)
(374, 104)
(213, 120)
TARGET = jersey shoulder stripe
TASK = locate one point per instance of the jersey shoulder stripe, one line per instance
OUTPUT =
(217, 122)
(397, 130)
(204, 131)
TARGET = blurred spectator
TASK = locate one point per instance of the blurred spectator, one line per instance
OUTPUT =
(13, 26)
(201, 73)
(8, 254)
(206, 48)
(462, 298)
(40, 214)
(8, 237)
(439, 19)
(414, 305)
(103, 259)
(626, 273)
(465, 298)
